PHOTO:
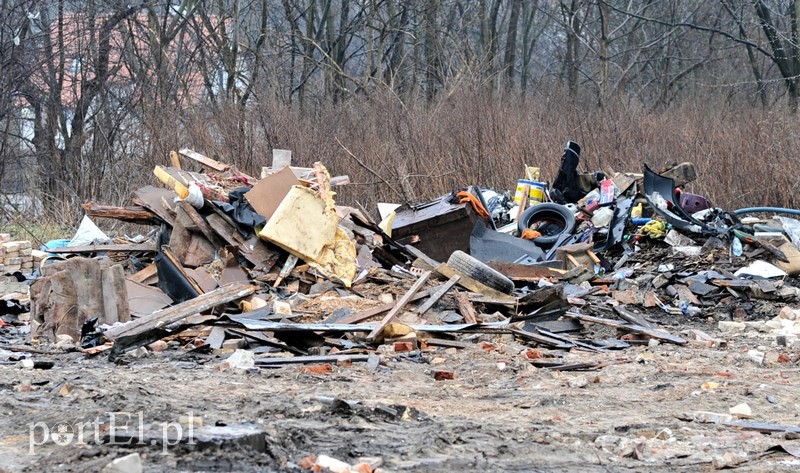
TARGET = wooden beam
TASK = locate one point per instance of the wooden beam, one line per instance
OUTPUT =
(204, 160)
(177, 312)
(175, 160)
(524, 272)
(438, 294)
(132, 248)
(399, 306)
(278, 361)
(202, 224)
(650, 332)
(466, 308)
(133, 213)
(377, 310)
(151, 327)
(631, 317)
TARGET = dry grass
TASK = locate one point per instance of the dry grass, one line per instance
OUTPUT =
(400, 152)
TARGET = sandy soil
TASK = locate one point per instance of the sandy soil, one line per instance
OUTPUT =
(498, 414)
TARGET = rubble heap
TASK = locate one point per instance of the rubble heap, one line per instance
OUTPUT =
(273, 265)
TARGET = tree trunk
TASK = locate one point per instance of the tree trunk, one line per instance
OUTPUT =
(511, 43)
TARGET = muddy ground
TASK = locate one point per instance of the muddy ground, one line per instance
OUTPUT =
(498, 414)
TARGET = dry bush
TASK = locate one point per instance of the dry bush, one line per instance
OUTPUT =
(412, 152)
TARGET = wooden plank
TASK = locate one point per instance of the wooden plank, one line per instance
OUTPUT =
(377, 310)
(204, 160)
(150, 328)
(216, 338)
(541, 339)
(157, 200)
(474, 286)
(175, 160)
(132, 214)
(438, 294)
(202, 224)
(131, 248)
(466, 308)
(650, 332)
(399, 306)
(278, 361)
(524, 272)
(440, 342)
(141, 276)
(177, 312)
(253, 250)
(420, 255)
(631, 317)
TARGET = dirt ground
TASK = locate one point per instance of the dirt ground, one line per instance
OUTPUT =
(498, 414)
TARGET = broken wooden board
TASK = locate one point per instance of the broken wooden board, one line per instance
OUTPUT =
(145, 300)
(130, 248)
(474, 286)
(578, 254)
(465, 308)
(202, 225)
(216, 338)
(438, 294)
(269, 192)
(399, 306)
(278, 361)
(190, 246)
(147, 275)
(204, 160)
(525, 272)
(650, 332)
(159, 201)
(203, 278)
(149, 328)
(377, 310)
(629, 316)
(541, 339)
(133, 214)
(253, 249)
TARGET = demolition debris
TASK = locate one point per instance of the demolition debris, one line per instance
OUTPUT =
(271, 271)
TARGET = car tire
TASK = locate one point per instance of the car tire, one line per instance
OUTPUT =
(562, 220)
(466, 264)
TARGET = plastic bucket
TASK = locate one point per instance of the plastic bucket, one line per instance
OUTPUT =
(535, 194)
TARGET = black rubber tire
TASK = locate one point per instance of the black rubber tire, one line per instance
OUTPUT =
(466, 264)
(558, 214)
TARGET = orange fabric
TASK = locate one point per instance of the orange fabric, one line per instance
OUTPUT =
(476, 204)
(529, 234)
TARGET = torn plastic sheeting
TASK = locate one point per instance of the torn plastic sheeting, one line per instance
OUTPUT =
(89, 234)
(246, 218)
(792, 228)
(762, 269)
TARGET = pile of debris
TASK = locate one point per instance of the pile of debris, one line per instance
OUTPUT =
(272, 271)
